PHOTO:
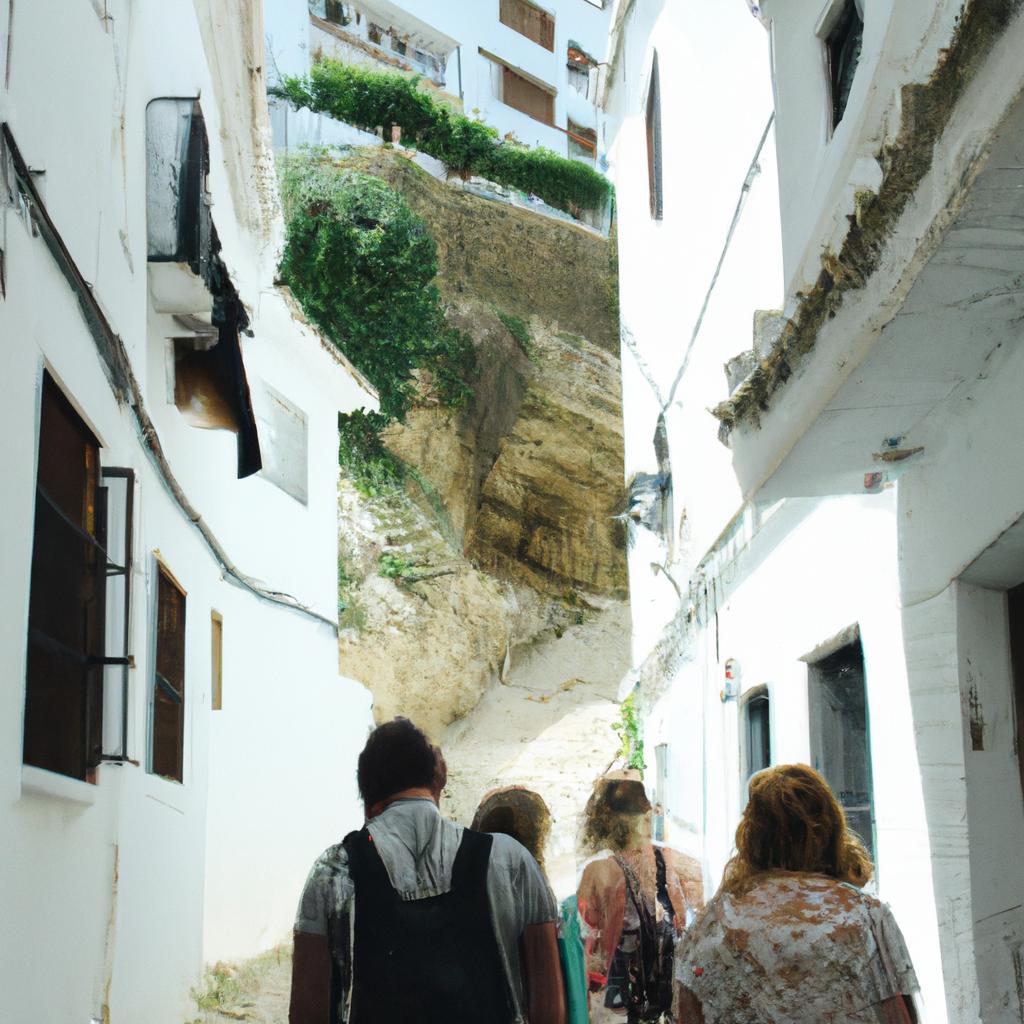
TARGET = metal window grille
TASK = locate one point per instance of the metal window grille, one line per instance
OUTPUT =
(63, 726)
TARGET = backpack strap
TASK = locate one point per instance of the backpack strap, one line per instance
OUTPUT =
(472, 859)
(663, 895)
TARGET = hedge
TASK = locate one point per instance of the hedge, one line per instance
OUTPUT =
(371, 99)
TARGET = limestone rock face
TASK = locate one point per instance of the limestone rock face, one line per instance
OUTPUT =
(505, 536)
(532, 477)
(547, 504)
(429, 641)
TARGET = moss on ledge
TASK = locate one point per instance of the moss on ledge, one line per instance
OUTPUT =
(926, 110)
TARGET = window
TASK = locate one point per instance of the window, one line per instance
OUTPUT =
(67, 602)
(188, 278)
(167, 723)
(653, 123)
(522, 92)
(337, 12)
(582, 142)
(202, 391)
(843, 41)
(756, 749)
(177, 212)
(839, 734)
(529, 21)
(284, 442)
(580, 65)
(217, 661)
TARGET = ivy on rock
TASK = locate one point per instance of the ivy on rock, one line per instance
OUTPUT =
(362, 266)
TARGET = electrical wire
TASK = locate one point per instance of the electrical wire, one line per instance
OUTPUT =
(752, 172)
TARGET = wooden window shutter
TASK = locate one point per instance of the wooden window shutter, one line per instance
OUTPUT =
(529, 21)
(522, 94)
(168, 721)
(67, 603)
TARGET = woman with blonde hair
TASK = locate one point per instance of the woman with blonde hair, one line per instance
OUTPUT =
(790, 938)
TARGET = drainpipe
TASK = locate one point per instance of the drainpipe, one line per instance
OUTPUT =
(458, 58)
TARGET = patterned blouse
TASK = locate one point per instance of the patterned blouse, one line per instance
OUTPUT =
(795, 949)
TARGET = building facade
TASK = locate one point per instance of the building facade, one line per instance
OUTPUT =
(837, 583)
(176, 738)
(529, 69)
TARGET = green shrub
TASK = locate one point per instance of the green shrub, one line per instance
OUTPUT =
(364, 457)
(376, 99)
(630, 730)
(393, 566)
(362, 265)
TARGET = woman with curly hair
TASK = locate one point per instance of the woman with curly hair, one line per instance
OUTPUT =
(790, 938)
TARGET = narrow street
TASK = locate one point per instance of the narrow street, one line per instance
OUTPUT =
(626, 392)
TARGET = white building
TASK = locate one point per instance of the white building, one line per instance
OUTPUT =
(529, 69)
(837, 586)
(177, 745)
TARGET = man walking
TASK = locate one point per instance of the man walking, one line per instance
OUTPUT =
(416, 919)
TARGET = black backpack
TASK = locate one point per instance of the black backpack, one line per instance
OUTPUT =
(640, 976)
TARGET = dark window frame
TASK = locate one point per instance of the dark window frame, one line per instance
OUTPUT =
(167, 687)
(758, 697)
(843, 42)
(63, 722)
(832, 678)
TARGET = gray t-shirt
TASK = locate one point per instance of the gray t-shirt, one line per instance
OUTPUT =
(418, 849)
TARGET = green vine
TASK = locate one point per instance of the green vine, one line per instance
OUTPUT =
(374, 99)
(630, 730)
(393, 566)
(362, 266)
(516, 326)
(372, 468)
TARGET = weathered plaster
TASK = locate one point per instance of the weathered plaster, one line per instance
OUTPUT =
(925, 111)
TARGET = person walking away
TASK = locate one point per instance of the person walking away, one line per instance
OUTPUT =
(634, 900)
(521, 813)
(414, 918)
(790, 937)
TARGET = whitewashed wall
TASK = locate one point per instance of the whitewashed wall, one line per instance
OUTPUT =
(801, 571)
(958, 556)
(832, 567)
(124, 888)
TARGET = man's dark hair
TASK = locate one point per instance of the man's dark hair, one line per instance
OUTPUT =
(397, 756)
